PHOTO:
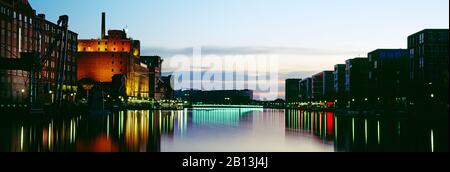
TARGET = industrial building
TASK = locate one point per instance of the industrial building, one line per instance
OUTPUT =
(37, 57)
(114, 55)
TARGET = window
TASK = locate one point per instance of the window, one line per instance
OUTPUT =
(123, 49)
(98, 42)
(112, 55)
(120, 62)
(120, 70)
(112, 62)
(112, 70)
(114, 43)
(106, 49)
(114, 49)
(375, 64)
(421, 38)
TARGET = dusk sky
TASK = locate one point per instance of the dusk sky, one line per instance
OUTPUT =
(308, 36)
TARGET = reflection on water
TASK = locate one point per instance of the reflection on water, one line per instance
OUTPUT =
(222, 130)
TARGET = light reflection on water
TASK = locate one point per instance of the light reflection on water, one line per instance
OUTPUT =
(217, 130)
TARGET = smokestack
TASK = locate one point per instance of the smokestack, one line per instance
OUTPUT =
(103, 26)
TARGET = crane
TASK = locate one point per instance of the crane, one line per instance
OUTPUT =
(34, 62)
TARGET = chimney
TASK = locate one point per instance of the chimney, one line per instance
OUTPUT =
(103, 26)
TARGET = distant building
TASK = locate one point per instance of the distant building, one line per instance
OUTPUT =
(167, 87)
(429, 62)
(339, 81)
(154, 68)
(216, 97)
(111, 55)
(292, 90)
(24, 31)
(356, 80)
(388, 77)
(306, 89)
(322, 85)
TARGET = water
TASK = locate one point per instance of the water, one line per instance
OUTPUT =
(220, 130)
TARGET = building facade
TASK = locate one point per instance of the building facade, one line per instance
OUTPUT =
(429, 62)
(388, 78)
(292, 90)
(306, 89)
(114, 55)
(339, 83)
(322, 85)
(356, 81)
(154, 68)
(23, 31)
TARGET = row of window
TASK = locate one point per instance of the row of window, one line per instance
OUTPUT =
(119, 62)
(106, 43)
(98, 49)
(112, 70)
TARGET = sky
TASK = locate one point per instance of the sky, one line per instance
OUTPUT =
(307, 36)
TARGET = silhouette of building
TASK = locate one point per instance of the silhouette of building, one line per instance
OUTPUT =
(429, 61)
(24, 31)
(292, 90)
(388, 77)
(167, 87)
(356, 81)
(111, 55)
(339, 84)
(306, 89)
(322, 85)
(154, 68)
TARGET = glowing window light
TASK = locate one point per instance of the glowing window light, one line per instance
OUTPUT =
(365, 129)
(21, 138)
(378, 131)
(353, 129)
(432, 141)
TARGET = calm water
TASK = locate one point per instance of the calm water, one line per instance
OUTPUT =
(221, 130)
